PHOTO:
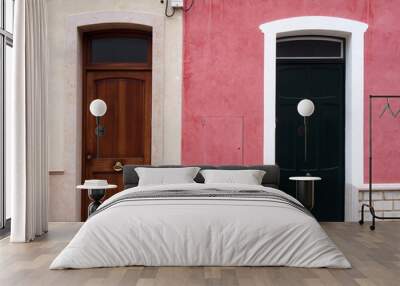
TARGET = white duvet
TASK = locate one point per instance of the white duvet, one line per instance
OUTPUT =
(200, 231)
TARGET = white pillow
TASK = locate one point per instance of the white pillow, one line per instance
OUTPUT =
(248, 177)
(163, 176)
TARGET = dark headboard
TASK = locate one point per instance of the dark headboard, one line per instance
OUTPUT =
(271, 177)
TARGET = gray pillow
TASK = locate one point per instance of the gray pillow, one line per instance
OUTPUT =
(165, 176)
(248, 177)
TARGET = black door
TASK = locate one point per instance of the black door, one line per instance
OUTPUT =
(323, 83)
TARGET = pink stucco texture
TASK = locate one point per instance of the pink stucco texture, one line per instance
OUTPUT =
(223, 76)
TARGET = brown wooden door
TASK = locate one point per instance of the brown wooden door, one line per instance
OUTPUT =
(127, 123)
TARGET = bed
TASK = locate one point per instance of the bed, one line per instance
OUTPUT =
(198, 224)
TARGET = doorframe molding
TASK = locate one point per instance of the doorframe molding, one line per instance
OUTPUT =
(353, 31)
(75, 26)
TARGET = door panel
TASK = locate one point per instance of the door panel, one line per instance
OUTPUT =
(324, 85)
(229, 150)
(127, 123)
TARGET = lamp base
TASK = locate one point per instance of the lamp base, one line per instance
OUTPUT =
(100, 130)
(95, 196)
(305, 193)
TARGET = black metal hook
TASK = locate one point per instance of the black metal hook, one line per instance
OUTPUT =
(388, 107)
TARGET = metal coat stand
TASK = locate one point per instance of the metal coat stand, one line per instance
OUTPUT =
(370, 206)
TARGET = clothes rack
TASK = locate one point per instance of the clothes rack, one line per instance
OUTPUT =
(387, 108)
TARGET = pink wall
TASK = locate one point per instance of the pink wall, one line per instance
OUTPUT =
(223, 75)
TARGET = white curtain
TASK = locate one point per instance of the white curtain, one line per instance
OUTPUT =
(27, 122)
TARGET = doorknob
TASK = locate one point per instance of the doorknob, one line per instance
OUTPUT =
(89, 156)
(118, 166)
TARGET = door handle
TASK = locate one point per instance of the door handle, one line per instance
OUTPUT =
(118, 166)
(89, 156)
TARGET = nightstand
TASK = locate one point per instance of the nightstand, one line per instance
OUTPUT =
(96, 192)
(305, 190)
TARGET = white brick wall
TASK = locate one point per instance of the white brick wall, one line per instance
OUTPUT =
(386, 203)
(375, 196)
(392, 213)
(368, 216)
(383, 205)
(392, 195)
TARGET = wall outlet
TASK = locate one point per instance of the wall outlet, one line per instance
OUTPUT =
(176, 3)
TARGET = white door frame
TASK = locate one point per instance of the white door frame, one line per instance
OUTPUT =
(353, 32)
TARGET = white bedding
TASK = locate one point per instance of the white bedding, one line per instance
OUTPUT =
(200, 231)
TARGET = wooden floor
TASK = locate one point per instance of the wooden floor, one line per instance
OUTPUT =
(375, 257)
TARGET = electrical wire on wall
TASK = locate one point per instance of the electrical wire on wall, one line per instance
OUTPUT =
(170, 11)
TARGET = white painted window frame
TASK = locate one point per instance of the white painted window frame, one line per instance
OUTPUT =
(353, 32)
(312, 38)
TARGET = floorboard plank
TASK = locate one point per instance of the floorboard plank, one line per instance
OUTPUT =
(374, 255)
